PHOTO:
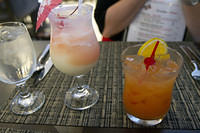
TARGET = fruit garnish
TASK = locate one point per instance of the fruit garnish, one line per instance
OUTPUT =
(154, 48)
(147, 48)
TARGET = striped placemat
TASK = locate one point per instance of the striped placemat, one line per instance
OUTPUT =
(107, 78)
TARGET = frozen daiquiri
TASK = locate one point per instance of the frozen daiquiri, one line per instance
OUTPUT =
(150, 73)
(74, 50)
(74, 47)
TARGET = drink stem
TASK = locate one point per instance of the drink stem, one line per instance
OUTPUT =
(24, 93)
(78, 78)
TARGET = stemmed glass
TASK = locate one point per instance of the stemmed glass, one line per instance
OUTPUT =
(74, 50)
(17, 64)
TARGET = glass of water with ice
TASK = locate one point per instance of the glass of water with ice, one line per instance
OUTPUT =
(17, 64)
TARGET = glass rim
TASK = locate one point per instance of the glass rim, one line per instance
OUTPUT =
(139, 45)
(68, 7)
(15, 23)
(12, 22)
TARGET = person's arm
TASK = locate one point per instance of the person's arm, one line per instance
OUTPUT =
(192, 18)
(119, 16)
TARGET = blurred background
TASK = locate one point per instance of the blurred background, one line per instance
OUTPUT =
(26, 11)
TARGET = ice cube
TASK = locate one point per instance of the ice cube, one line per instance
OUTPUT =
(5, 35)
(134, 58)
(134, 63)
(9, 33)
(130, 59)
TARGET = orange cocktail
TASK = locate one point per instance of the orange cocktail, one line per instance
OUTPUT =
(147, 93)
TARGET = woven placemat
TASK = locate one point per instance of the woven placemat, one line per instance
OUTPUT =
(107, 78)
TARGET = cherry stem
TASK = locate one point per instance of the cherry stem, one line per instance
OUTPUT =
(150, 60)
(154, 50)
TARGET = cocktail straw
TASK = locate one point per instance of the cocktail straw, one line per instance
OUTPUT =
(79, 5)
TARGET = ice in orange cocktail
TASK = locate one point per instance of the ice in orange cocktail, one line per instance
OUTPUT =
(147, 92)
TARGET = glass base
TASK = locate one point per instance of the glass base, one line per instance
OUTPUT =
(81, 98)
(25, 105)
(144, 122)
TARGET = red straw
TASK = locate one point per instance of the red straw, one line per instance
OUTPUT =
(150, 60)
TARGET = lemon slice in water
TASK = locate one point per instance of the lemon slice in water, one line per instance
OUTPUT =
(147, 48)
